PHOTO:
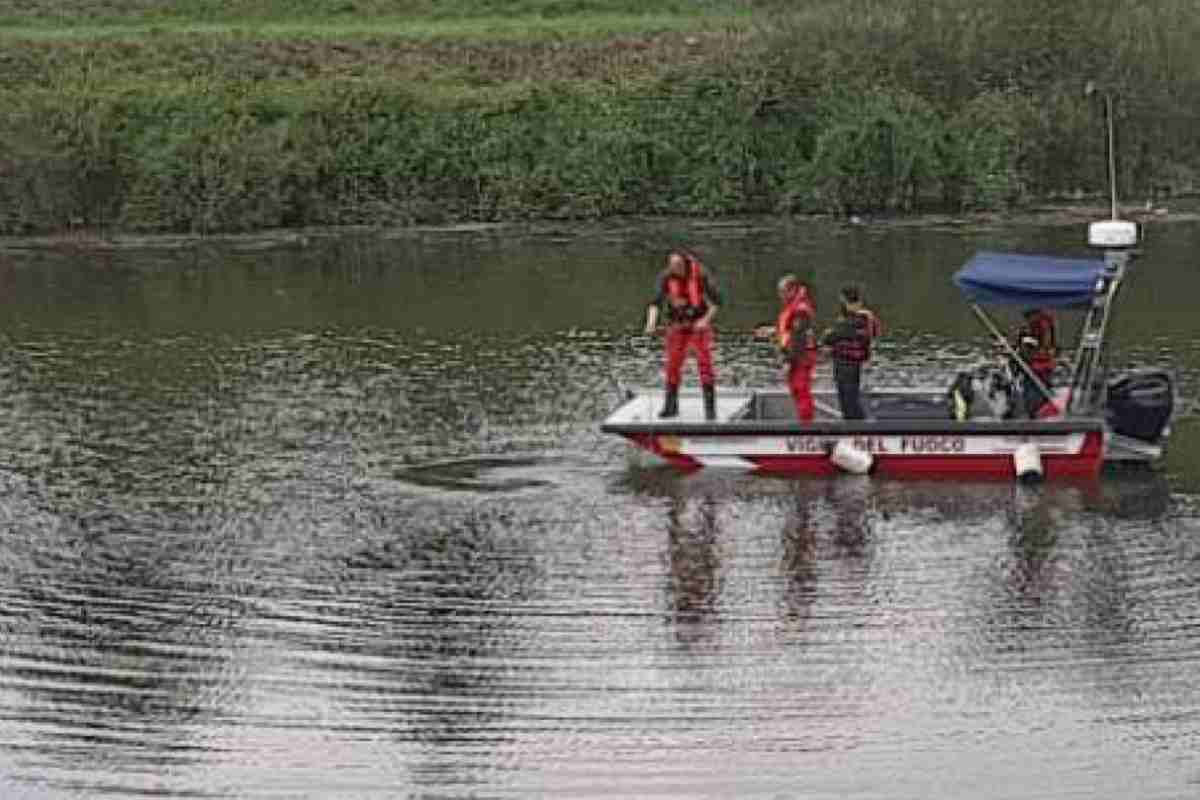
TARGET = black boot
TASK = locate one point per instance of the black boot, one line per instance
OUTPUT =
(710, 402)
(670, 403)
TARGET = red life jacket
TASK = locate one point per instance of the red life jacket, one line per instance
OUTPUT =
(688, 292)
(1040, 326)
(857, 348)
(874, 324)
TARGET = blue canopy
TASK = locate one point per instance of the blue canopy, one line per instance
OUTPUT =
(1032, 281)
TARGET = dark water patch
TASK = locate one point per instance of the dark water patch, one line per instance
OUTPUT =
(480, 474)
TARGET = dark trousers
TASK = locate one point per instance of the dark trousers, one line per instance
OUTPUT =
(847, 376)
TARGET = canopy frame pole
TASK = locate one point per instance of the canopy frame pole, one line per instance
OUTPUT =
(1012, 352)
(1089, 357)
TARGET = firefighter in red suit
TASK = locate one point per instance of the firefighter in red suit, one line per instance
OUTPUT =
(793, 333)
(689, 300)
(1037, 342)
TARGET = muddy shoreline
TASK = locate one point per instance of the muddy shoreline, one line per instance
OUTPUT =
(1185, 210)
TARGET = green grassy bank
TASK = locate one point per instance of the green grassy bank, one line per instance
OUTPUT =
(207, 116)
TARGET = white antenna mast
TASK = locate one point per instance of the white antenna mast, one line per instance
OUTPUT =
(1112, 158)
(1117, 238)
(1116, 232)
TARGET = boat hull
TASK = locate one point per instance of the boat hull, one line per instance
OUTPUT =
(1078, 454)
(756, 430)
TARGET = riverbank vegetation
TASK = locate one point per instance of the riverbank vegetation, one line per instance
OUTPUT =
(208, 116)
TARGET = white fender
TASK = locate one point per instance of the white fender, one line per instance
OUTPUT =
(849, 458)
(1028, 462)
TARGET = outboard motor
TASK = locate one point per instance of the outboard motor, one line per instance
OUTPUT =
(1140, 404)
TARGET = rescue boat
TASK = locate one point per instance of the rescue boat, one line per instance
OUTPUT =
(967, 428)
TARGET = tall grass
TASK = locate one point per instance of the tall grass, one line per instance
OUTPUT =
(96, 14)
(855, 106)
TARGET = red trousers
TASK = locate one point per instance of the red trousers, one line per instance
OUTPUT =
(680, 339)
(799, 380)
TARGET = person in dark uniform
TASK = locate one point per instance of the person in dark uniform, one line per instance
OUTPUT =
(1037, 343)
(689, 301)
(849, 341)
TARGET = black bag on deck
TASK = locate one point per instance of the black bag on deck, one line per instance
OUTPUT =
(906, 408)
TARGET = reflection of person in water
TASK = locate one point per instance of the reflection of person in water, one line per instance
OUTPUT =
(1067, 580)
(798, 563)
(836, 516)
(1033, 542)
(1044, 543)
(695, 564)
(850, 498)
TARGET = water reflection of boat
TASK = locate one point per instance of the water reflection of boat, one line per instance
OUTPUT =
(918, 431)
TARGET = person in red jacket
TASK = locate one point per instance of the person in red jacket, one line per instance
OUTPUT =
(794, 335)
(1037, 342)
(689, 301)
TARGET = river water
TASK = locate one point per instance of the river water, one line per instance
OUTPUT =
(334, 519)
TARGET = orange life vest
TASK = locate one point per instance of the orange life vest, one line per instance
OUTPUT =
(798, 305)
(689, 290)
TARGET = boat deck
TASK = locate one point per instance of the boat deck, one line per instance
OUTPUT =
(745, 410)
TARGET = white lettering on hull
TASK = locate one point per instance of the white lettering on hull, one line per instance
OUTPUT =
(885, 446)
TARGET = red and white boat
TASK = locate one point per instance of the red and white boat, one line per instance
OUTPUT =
(757, 430)
(920, 432)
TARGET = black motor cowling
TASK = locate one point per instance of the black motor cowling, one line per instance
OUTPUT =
(1140, 404)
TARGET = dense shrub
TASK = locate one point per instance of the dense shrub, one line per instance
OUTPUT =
(855, 106)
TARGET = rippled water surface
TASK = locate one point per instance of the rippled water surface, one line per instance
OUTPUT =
(335, 520)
